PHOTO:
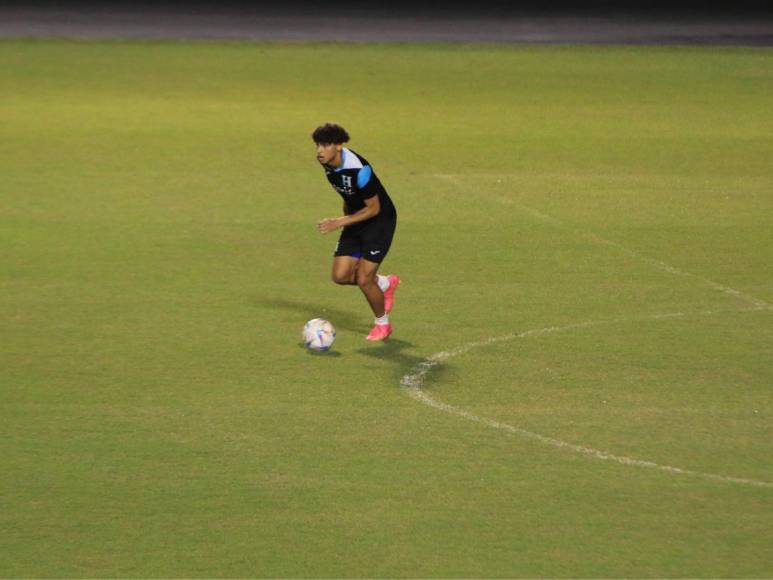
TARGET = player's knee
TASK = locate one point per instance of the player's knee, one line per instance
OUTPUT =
(364, 280)
(338, 279)
(342, 277)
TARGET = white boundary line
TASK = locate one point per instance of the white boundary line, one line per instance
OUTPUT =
(656, 263)
(456, 178)
(413, 382)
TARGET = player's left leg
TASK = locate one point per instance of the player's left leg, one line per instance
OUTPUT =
(366, 279)
(368, 283)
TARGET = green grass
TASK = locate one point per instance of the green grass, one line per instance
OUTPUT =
(159, 418)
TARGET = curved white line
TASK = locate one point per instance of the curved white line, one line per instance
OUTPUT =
(412, 384)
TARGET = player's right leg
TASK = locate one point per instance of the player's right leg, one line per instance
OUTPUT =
(346, 258)
(345, 270)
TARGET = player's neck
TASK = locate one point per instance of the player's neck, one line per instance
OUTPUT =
(338, 160)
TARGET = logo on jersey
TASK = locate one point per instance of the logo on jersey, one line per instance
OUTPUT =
(346, 186)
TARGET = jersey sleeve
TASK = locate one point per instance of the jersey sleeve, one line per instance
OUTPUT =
(365, 183)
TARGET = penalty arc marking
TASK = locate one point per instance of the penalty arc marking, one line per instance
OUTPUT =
(413, 382)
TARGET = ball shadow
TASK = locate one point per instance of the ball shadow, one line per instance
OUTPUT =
(324, 353)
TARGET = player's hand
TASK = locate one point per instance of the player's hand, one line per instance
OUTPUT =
(328, 225)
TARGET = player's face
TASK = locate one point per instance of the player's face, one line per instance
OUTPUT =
(329, 153)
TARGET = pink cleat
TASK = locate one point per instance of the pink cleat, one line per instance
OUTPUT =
(389, 294)
(380, 332)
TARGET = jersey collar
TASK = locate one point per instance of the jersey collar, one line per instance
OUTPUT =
(343, 159)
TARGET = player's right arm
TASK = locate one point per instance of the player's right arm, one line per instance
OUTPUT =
(371, 209)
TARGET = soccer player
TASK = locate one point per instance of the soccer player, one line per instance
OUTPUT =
(368, 224)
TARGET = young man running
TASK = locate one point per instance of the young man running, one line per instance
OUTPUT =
(368, 224)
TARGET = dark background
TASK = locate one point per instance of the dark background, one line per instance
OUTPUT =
(743, 22)
(677, 8)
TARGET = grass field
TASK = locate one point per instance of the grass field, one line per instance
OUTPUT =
(159, 418)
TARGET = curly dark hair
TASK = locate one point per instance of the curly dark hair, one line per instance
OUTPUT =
(330, 133)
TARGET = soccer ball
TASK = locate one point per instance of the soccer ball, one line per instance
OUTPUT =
(318, 334)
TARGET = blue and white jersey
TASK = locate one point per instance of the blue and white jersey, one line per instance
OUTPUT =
(355, 181)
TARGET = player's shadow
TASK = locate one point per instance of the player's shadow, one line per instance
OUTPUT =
(393, 351)
(342, 319)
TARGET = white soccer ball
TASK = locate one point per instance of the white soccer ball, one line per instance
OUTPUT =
(318, 334)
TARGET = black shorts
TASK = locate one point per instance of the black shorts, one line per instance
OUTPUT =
(369, 240)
